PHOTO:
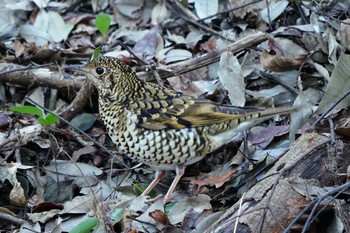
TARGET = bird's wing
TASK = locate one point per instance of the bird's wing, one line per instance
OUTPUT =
(184, 112)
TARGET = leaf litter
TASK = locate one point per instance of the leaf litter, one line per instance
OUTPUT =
(62, 169)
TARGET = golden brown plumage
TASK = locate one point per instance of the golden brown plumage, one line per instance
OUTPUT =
(160, 127)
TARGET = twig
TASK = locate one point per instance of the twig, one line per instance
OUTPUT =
(12, 219)
(284, 84)
(31, 66)
(33, 79)
(79, 101)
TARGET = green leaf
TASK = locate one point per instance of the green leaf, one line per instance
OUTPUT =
(28, 110)
(51, 119)
(85, 226)
(48, 120)
(103, 22)
(96, 53)
(140, 187)
(41, 120)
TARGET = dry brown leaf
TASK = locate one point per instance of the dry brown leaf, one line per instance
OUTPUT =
(160, 217)
(280, 63)
(218, 181)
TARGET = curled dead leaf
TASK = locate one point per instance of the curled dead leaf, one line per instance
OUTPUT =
(17, 196)
(281, 63)
(160, 217)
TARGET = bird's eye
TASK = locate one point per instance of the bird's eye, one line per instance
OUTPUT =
(100, 70)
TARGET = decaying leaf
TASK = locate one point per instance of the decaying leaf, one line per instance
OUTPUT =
(281, 63)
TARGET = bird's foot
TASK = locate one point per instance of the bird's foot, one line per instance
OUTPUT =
(166, 199)
(152, 200)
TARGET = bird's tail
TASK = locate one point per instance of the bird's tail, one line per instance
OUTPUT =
(245, 121)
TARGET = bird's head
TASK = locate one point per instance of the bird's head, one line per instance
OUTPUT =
(111, 76)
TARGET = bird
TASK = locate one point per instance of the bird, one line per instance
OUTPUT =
(160, 127)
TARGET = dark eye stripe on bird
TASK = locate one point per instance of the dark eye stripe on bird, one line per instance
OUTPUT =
(178, 129)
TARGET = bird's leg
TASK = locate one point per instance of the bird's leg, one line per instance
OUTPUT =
(159, 176)
(180, 170)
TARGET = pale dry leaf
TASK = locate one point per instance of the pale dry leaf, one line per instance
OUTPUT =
(276, 9)
(159, 14)
(193, 38)
(32, 34)
(266, 135)
(344, 34)
(71, 169)
(180, 209)
(284, 47)
(26, 133)
(17, 196)
(205, 8)
(26, 227)
(9, 22)
(19, 48)
(38, 95)
(175, 55)
(42, 21)
(207, 222)
(333, 46)
(58, 29)
(337, 86)
(306, 100)
(322, 70)
(40, 3)
(232, 79)
(130, 8)
(144, 218)
(309, 190)
(83, 151)
(43, 217)
(177, 39)
(79, 205)
(271, 92)
(99, 5)
(128, 35)
(71, 222)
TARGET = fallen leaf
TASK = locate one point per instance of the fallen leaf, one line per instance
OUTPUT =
(232, 79)
(17, 196)
(264, 137)
(281, 63)
(218, 181)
